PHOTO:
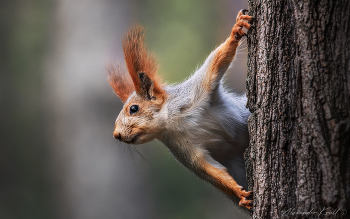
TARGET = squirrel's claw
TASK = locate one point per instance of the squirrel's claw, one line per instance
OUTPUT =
(244, 202)
(246, 194)
(243, 16)
(243, 11)
(237, 30)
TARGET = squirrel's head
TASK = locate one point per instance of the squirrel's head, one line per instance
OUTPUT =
(140, 90)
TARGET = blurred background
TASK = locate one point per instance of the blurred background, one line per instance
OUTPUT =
(58, 158)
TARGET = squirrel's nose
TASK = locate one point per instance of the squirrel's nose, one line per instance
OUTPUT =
(117, 135)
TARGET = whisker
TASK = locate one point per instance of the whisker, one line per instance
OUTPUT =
(244, 48)
(243, 40)
(158, 146)
(240, 49)
(137, 151)
(132, 155)
(120, 145)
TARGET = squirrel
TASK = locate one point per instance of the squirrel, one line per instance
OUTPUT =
(202, 124)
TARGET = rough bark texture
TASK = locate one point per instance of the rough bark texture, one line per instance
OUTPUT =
(298, 92)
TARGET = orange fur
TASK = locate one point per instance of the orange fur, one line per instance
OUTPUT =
(221, 61)
(139, 60)
(224, 56)
(226, 52)
(226, 183)
(120, 81)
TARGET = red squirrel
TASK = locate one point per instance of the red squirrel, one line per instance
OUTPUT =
(203, 125)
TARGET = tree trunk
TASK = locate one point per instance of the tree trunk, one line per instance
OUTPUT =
(298, 84)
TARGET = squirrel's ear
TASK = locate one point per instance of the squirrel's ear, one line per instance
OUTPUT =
(120, 81)
(142, 65)
(146, 86)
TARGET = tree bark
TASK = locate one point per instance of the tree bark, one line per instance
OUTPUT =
(298, 84)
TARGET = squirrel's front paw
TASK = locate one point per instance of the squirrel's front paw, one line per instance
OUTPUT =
(244, 202)
(237, 32)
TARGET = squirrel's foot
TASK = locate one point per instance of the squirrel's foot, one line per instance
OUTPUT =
(237, 32)
(244, 202)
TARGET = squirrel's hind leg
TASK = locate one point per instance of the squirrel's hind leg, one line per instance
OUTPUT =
(218, 175)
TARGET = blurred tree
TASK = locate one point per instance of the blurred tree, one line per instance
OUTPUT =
(298, 90)
(25, 182)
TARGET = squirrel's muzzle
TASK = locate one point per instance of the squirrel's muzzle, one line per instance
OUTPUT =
(117, 135)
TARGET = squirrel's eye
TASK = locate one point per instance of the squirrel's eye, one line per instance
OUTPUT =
(134, 109)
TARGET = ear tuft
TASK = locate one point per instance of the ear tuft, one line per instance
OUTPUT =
(120, 81)
(138, 60)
